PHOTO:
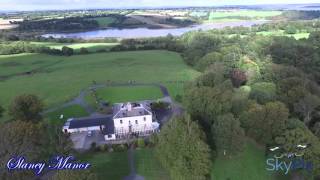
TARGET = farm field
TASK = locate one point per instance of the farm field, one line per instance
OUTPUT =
(104, 21)
(126, 93)
(76, 46)
(239, 15)
(298, 35)
(56, 79)
(243, 13)
(249, 164)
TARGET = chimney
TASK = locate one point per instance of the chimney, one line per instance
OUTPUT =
(129, 106)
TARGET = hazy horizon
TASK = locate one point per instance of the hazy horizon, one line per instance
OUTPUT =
(31, 5)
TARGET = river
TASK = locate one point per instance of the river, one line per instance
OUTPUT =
(145, 32)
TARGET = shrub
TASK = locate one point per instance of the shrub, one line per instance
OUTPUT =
(66, 51)
(103, 147)
(159, 105)
(84, 50)
(93, 146)
(119, 147)
(140, 143)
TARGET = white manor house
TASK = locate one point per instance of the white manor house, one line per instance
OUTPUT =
(126, 119)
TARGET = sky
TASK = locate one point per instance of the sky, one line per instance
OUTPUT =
(7, 5)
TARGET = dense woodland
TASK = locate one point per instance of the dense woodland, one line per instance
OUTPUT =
(265, 88)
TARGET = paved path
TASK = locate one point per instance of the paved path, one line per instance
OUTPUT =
(133, 174)
(80, 99)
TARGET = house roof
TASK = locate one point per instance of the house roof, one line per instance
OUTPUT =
(109, 127)
(89, 122)
(122, 110)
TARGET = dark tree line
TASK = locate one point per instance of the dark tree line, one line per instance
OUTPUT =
(65, 24)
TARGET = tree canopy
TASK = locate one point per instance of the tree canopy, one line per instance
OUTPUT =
(182, 149)
(26, 107)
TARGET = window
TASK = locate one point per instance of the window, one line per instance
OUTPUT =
(121, 121)
(136, 121)
(109, 136)
(144, 118)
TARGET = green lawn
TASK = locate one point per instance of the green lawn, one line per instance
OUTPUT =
(297, 36)
(68, 112)
(104, 21)
(108, 166)
(92, 47)
(126, 94)
(247, 165)
(148, 166)
(242, 13)
(60, 78)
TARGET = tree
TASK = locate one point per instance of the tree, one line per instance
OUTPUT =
(228, 136)
(66, 51)
(300, 134)
(208, 59)
(23, 139)
(182, 150)
(290, 30)
(84, 50)
(306, 106)
(1, 111)
(316, 129)
(263, 92)
(206, 103)
(74, 175)
(26, 107)
(238, 78)
(215, 75)
(264, 122)
(57, 142)
(291, 90)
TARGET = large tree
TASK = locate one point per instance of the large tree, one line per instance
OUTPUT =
(19, 138)
(206, 103)
(300, 134)
(264, 122)
(182, 150)
(26, 107)
(57, 142)
(306, 106)
(316, 129)
(228, 136)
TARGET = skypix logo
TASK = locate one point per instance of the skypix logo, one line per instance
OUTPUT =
(288, 161)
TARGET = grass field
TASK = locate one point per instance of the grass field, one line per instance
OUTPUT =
(113, 166)
(92, 47)
(59, 78)
(104, 21)
(243, 13)
(249, 164)
(68, 112)
(125, 94)
(297, 36)
(282, 33)
(148, 166)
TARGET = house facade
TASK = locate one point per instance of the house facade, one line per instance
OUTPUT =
(127, 119)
